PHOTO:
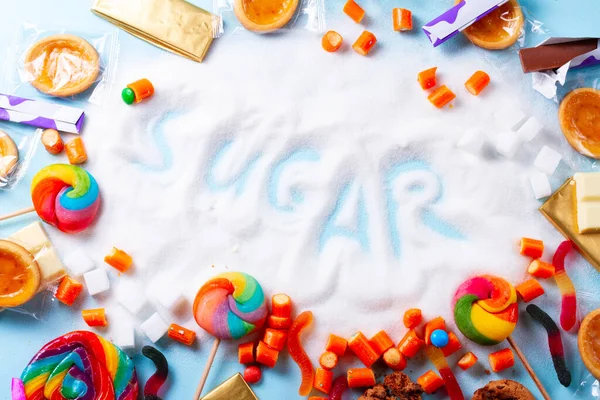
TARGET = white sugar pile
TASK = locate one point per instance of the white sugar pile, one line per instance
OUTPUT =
(329, 177)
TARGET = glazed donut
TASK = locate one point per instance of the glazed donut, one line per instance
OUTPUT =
(9, 155)
(65, 196)
(20, 276)
(230, 306)
(80, 365)
(579, 116)
(485, 309)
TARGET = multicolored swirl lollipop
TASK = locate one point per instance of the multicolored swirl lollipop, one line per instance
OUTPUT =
(80, 365)
(485, 309)
(65, 196)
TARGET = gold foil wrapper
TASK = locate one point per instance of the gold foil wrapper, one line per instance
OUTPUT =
(560, 209)
(234, 388)
(173, 25)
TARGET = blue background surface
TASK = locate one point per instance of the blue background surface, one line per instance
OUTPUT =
(22, 336)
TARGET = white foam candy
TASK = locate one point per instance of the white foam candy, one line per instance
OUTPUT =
(547, 160)
(530, 129)
(508, 143)
(509, 116)
(131, 296)
(154, 327)
(78, 263)
(540, 185)
(96, 281)
(472, 140)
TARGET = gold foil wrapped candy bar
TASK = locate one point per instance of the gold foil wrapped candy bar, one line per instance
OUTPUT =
(560, 211)
(173, 25)
(233, 388)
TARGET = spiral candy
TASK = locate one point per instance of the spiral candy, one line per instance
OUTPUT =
(230, 306)
(80, 365)
(485, 309)
(65, 196)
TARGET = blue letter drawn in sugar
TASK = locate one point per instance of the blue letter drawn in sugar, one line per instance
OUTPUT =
(428, 217)
(297, 197)
(332, 229)
(157, 133)
(237, 180)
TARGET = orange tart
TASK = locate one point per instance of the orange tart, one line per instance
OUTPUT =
(19, 275)
(62, 65)
(579, 116)
(499, 29)
(588, 341)
(264, 15)
(9, 155)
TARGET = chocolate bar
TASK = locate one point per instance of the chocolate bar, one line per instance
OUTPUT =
(552, 56)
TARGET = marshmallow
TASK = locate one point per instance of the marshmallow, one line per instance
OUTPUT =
(508, 143)
(547, 160)
(154, 327)
(131, 296)
(96, 281)
(540, 185)
(78, 262)
(509, 116)
(124, 336)
(472, 140)
(530, 129)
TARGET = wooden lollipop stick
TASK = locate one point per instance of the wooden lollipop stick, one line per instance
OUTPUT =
(17, 213)
(521, 356)
(209, 362)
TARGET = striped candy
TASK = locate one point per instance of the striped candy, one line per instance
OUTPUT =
(230, 306)
(80, 365)
(485, 309)
(65, 196)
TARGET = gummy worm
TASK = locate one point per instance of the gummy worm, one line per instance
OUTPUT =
(340, 385)
(154, 383)
(298, 354)
(554, 341)
(436, 356)
(568, 311)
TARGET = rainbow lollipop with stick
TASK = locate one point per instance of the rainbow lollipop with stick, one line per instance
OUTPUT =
(229, 306)
(486, 311)
(65, 196)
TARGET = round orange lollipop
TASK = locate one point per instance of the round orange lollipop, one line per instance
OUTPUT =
(62, 65)
(19, 275)
(579, 116)
(499, 29)
(264, 15)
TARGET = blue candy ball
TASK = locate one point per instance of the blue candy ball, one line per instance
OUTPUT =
(439, 338)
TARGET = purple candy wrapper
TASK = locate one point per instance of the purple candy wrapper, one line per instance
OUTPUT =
(458, 18)
(41, 114)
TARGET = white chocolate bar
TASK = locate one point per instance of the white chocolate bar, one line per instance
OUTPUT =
(587, 194)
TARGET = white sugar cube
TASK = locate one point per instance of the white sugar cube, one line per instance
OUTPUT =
(530, 129)
(472, 140)
(96, 281)
(547, 160)
(509, 116)
(508, 143)
(540, 185)
(131, 296)
(154, 327)
(78, 262)
(124, 336)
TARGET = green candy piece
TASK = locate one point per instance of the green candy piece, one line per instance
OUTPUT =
(128, 96)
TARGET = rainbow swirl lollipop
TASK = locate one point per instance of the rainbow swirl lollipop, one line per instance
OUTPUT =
(65, 196)
(485, 309)
(230, 306)
(80, 365)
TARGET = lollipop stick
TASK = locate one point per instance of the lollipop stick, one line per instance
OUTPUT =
(17, 213)
(521, 356)
(211, 358)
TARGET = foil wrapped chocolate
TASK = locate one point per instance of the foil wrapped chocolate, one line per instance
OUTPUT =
(233, 388)
(173, 25)
(561, 212)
